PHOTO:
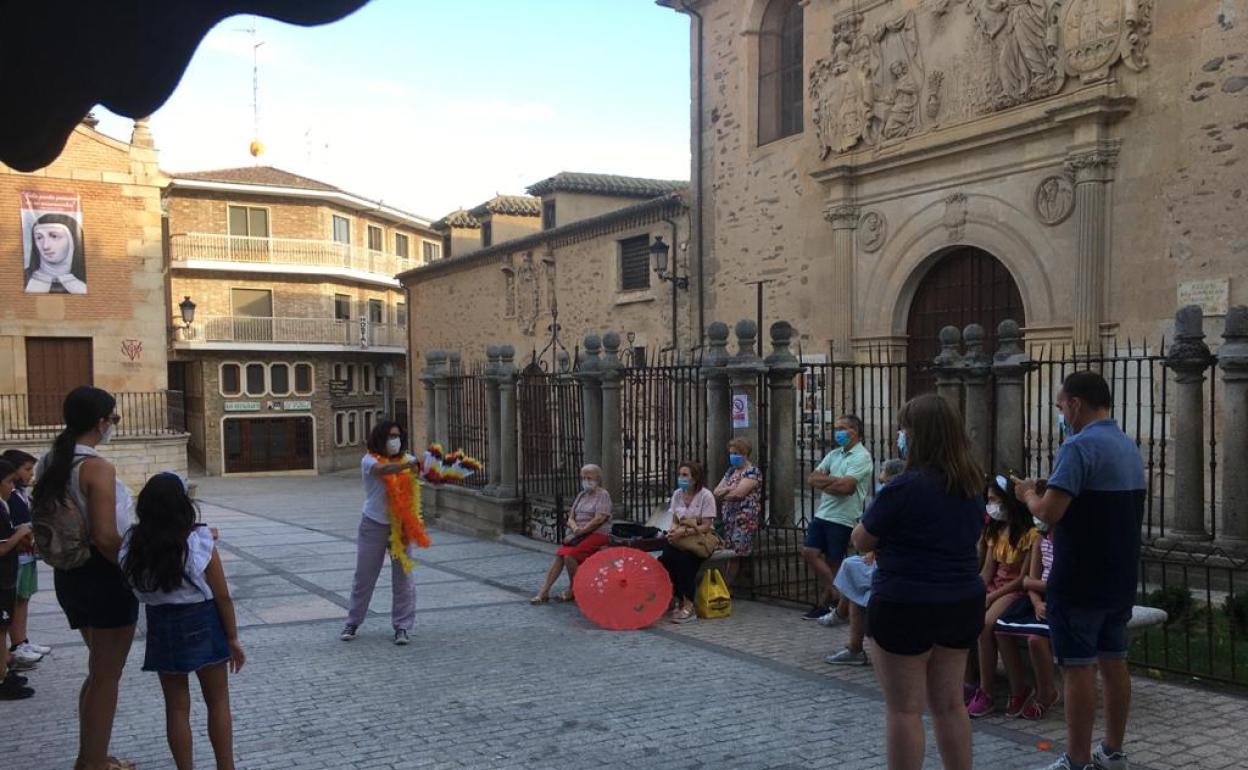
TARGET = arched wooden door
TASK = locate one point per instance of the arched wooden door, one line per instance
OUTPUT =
(965, 286)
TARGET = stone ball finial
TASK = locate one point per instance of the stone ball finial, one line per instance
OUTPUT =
(718, 332)
(435, 356)
(611, 342)
(492, 352)
(1189, 323)
(781, 333)
(593, 344)
(950, 337)
(1008, 330)
(507, 353)
(973, 334)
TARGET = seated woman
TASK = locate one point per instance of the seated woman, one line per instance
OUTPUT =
(1026, 618)
(693, 514)
(739, 493)
(589, 525)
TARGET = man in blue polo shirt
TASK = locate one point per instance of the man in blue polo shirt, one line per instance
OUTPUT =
(1094, 501)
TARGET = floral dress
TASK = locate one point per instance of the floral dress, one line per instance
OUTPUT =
(740, 517)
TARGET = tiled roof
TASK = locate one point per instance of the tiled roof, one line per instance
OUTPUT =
(263, 175)
(606, 184)
(509, 205)
(457, 218)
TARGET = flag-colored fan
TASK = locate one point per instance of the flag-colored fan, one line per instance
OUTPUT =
(622, 589)
(441, 467)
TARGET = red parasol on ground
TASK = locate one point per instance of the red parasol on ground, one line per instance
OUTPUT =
(622, 589)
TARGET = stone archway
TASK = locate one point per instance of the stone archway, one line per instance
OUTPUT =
(961, 286)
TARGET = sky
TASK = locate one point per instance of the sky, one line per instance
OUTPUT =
(429, 106)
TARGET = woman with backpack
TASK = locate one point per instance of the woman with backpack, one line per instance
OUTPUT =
(75, 481)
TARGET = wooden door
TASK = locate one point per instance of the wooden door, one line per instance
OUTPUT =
(965, 286)
(262, 444)
(54, 367)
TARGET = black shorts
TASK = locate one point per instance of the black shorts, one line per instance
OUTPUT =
(8, 598)
(96, 595)
(905, 628)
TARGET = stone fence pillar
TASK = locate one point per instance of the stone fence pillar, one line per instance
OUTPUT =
(718, 405)
(1189, 358)
(508, 450)
(1009, 367)
(591, 401)
(976, 369)
(782, 368)
(744, 376)
(948, 367)
(1233, 358)
(434, 359)
(610, 373)
(494, 439)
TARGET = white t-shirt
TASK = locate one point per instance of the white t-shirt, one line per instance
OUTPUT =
(194, 588)
(375, 488)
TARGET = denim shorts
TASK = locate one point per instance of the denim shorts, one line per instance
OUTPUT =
(828, 537)
(1083, 635)
(182, 638)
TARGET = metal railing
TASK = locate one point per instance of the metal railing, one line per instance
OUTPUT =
(469, 421)
(37, 416)
(324, 331)
(211, 247)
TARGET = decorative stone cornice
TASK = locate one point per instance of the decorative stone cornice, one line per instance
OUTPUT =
(842, 216)
(1095, 164)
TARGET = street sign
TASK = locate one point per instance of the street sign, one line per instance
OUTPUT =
(242, 406)
(296, 406)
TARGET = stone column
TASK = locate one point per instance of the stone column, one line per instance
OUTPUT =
(1009, 367)
(1093, 169)
(428, 377)
(1188, 359)
(782, 367)
(948, 367)
(610, 373)
(844, 220)
(718, 404)
(976, 368)
(744, 375)
(508, 437)
(1233, 358)
(493, 468)
(591, 401)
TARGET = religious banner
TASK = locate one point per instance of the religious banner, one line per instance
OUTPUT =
(53, 261)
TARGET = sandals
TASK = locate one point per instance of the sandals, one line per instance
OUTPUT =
(1035, 710)
(566, 596)
(539, 600)
(112, 763)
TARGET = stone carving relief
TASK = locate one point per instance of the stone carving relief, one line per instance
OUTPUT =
(1024, 33)
(935, 82)
(1099, 33)
(872, 231)
(955, 215)
(1055, 199)
(528, 295)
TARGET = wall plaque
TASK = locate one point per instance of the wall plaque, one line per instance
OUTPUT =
(296, 406)
(1212, 296)
(339, 388)
(242, 406)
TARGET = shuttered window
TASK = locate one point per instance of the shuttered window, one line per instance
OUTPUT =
(635, 263)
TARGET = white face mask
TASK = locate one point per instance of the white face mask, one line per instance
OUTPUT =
(394, 446)
(107, 435)
(589, 485)
(994, 512)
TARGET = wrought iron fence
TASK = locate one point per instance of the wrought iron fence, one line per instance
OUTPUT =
(469, 419)
(549, 407)
(37, 416)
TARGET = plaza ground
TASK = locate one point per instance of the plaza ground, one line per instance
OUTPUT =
(490, 682)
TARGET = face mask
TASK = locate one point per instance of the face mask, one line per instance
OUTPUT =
(1040, 525)
(902, 444)
(684, 483)
(589, 485)
(107, 435)
(735, 459)
(842, 437)
(995, 513)
(394, 446)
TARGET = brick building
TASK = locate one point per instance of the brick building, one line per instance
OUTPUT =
(296, 346)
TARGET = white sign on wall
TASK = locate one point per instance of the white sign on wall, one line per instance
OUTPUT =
(740, 410)
(1212, 296)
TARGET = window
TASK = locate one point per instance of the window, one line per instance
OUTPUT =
(369, 417)
(487, 234)
(342, 229)
(303, 379)
(256, 385)
(366, 378)
(400, 245)
(353, 436)
(400, 313)
(548, 214)
(249, 222)
(378, 385)
(431, 251)
(635, 263)
(780, 71)
(340, 428)
(352, 385)
(376, 311)
(446, 246)
(279, 379)
(374, 238)
(342, 307)
(252, 303)
(231, 380)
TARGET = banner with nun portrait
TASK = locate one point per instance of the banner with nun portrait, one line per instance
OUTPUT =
(52, 249)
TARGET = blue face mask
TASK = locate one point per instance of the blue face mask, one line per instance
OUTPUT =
(902, 445)
(735, 459)
(842, 437)
(684, 483)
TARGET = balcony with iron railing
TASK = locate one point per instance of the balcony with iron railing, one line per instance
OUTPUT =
(253, 333)
(286, 255)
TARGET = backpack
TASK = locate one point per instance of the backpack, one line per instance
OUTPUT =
(61, 531)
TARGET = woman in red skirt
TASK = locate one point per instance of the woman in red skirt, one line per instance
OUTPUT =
(589, 524)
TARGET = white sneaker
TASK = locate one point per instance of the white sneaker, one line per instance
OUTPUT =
(847, 657)
(24, 655)
(39, 648)
(832, 619)
(1103, 760)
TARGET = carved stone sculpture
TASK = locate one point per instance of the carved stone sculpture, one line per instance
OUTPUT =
(528, 296)
(872, 231)
(1096, 34)
(1055, 199)
(1024, 35)
(955, 215)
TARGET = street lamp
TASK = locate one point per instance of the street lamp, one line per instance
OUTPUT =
(658, 253)
(187, 308)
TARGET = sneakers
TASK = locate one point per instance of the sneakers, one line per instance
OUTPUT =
(1064, 763)
(968, 692)
(38, 648)
(348, 632)
(816, 612)
(24, 655)
(11, 690)
(400, 637)
(831, 619)
(847, 657)
(1104, 759)
(1035, 709)
(18, 664)
(981, 705)
(1014, 707)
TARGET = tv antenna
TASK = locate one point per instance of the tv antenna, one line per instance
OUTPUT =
(256, 148)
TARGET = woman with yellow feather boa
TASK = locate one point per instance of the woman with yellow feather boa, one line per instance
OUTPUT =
(391, 523)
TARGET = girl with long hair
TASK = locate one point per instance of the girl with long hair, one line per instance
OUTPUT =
(171, 561)
(95, 598)
(927, 599)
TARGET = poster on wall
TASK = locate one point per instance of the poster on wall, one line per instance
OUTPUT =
(53, 261)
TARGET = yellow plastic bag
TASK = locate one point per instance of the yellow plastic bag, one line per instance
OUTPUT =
(713, 599)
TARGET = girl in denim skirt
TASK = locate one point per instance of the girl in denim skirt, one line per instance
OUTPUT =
(171, 561)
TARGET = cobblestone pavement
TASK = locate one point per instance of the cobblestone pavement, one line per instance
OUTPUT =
(490, 682)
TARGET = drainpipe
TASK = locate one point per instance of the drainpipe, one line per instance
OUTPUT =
(675, 284)
(697, 167)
